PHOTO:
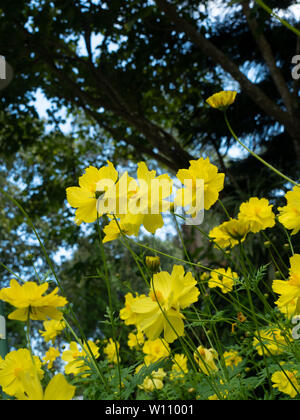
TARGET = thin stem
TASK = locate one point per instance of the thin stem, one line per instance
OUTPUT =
(256, 156)
(87, 351)
(283, 21)
(112, 321)
(28, 333)
(224, 208)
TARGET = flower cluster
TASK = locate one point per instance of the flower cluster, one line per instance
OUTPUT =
(175, 344)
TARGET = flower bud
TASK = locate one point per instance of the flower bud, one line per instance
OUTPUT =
(153, 263)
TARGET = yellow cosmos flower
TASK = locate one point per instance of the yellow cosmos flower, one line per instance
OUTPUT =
(258, 214)
(290, 309)
(289, 291)
(290, 214)
(286, 382)
(136, 339)
(232, 358)
(94, 185)
(111, 352)
(273, 342)
(76, 356)
(128, 225)
(51, 355)
(206, 360)
(152, 382)
(29, 301)
(224, 279)
(148, 201)
(222, 100)
(160, 311)
(179, 367)
(155, 350)
(58, 389)
(52, 329)
(230, 233)
(16, 364)
(202, 183)
(126, 313)
(145, 201)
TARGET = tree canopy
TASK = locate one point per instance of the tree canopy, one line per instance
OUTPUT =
(134, 76)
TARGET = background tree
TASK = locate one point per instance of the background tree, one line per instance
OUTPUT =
(134, 76)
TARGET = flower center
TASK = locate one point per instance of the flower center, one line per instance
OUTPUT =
(17, 372)
(157, 296)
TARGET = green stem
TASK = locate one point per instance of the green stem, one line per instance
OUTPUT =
(112, 321)
(28, 334)
(256, 156)
(224, 208)
(87, 351)
(283, 21)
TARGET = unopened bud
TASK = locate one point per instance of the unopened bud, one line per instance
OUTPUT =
(153, 263)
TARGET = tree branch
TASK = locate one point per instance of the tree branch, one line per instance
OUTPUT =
(210, 50)
(269, 58)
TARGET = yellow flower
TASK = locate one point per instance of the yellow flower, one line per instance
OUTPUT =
(204, 277)
(230, 233)
(273, 342)
(179, 367)
(111, 352)
(206, 359)
(75, 357)
(290, 214)
(136, 339)
(127, 225)
(289, 291)
(94, 185)
(286, 382)
(222, 100)
(290, 309)
(160, 311)
(258, 214)
(58, 389)
(232, 358)
(51, 355)
(202, 183)
(126, 313)
(52, 329)
(147, 202)
(16, 364)
(155, 350)
(224, 279)
(152, 382)
(144, 203)
(30, 302)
